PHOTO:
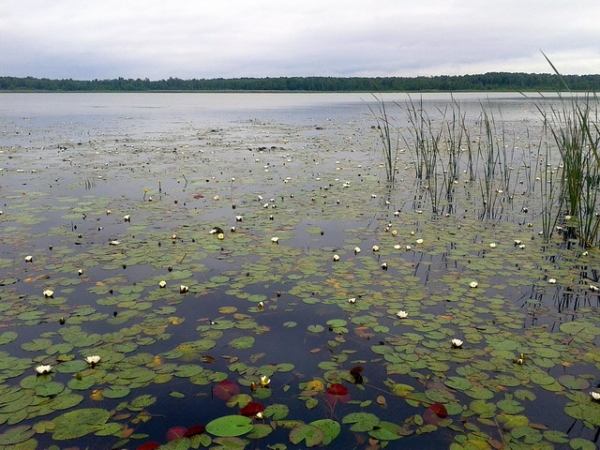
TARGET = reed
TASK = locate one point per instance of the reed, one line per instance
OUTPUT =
(389, 139)
(573, 125)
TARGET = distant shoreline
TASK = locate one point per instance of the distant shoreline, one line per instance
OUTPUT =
(488, 82)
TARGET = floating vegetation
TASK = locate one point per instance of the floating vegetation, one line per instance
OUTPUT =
(474, 322)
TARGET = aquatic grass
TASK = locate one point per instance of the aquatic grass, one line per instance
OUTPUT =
(573, 125)
(389, 139)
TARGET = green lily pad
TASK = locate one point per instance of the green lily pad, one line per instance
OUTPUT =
(330, 428)
(78, 423)
(387, 431)
(242, 343)
(116, 391)
(361, 421)
(312, 435)
(227, 426)
(16, 435)
(573, 382)
(7, 337)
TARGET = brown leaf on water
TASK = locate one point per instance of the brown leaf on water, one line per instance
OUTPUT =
(127, 431)
(362, 333)
(207, 359)
(381, 400)
(495, 444)
(315, 350)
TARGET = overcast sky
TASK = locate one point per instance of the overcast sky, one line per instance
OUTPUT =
(157, 39)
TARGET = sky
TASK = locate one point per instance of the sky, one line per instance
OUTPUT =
(158, 39)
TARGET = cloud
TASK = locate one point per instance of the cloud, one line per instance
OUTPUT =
(234, 38)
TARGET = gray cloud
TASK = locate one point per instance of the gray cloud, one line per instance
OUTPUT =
(236, 38)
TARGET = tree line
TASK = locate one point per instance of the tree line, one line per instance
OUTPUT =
(491, 81)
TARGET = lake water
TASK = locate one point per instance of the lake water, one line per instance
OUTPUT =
(290, 180)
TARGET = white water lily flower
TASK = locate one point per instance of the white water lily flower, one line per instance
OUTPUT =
(457, 343)
(473, 284)
(114, 242)
(261, 305)
(397, 246)
(384, 266)
(593, 288)
(552, 280)
(518, 242)
(352, 300)
(183, 289)
(43, 369)
(336, 257)
(29, 258)
(238, 218)
(162, 284)
(92, 360)
(48, 293)
(108, 211)
(493, 245)
(419, 241)
(265, 381)
(595, 396)
(356, 250)
(127, 218)
(275, 240)
(220, 236)
(402, 314)
(232, 229)
(80, 272)
(408, 247)
(522, 246)
(376, 248)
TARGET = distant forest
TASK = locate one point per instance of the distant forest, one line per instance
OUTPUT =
(492, 81)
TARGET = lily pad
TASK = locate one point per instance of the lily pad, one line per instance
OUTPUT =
(311, 434)
(78, 423)
(234, 425)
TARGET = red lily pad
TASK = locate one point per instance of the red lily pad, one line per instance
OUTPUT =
(337, 389)
(149, 446)
(337, 392)
(252, 409)
(226, 389)
(196, 429)
(435, 413)
(175, 433)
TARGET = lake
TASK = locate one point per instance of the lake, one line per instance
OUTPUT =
(250, 276)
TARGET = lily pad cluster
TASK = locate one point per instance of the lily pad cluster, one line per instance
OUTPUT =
(239, 310)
